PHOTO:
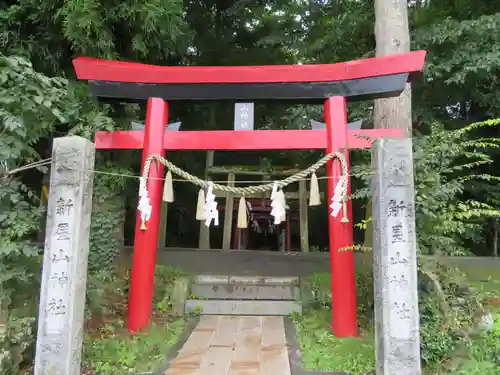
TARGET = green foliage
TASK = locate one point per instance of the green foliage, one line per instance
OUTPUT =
(446, 165)
(108, 347)
(484, 353)
(108, 219)
(450, 316)
(319, 288)
(165, 278)
(119, 353)
(322, 351)
(30, 107)
(450, 312)
(15, 344)
(464, 64)
(447, 310)
(347, 25)
(107, 290)
(50, 32)
(106, 293)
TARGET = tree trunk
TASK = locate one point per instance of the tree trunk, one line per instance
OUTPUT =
(392, 36)
(495, 239)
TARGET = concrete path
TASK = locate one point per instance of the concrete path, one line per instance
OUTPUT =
(234, 345)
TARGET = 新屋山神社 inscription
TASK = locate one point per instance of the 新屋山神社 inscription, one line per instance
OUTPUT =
(399, 273)
(395, 263)
(60, 265)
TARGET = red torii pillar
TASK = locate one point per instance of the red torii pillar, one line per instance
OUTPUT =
(374, 77)
(144, 261)
(342, 265)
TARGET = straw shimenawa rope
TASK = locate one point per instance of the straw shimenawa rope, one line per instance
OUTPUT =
(247, 189)
(241, 191)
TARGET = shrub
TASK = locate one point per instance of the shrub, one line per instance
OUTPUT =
(450, 311)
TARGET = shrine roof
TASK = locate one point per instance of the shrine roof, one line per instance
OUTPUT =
(360, 79)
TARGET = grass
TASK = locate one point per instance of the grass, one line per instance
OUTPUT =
(485, 347)
(108, 347)
(487, 279)
(120, 353)
(322, 351)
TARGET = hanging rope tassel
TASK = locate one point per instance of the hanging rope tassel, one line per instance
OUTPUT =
(200, 205)
(283, 202)
(242, 214)
(314, 196)
(144, 206)
(168, 189)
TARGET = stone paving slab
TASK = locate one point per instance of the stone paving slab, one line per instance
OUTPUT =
(243, 307)
(234, 345)
(224, 279)
(246, 292)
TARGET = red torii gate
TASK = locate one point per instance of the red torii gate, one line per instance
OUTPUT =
(328, 83)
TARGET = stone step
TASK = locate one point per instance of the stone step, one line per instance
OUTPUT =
(260, 280)
(230, 307)
(237, 291)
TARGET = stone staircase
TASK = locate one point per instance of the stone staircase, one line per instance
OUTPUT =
(244, 295)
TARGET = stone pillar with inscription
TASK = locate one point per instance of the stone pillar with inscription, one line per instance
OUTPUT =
(395, 259)
(64, 275)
